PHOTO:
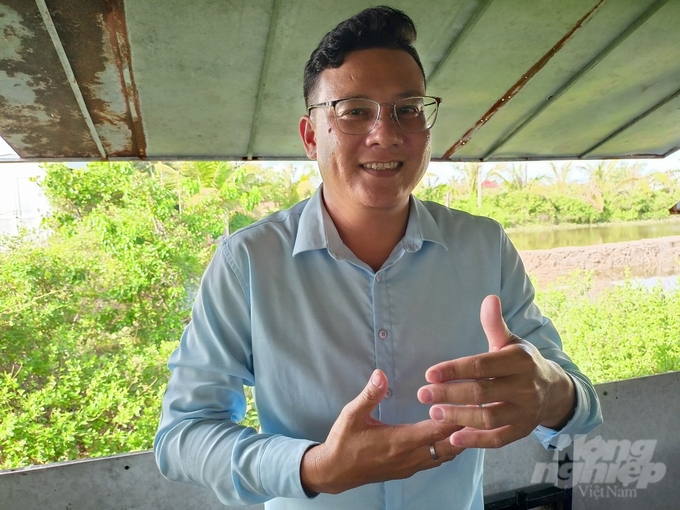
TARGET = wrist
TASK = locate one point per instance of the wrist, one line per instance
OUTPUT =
(561, 402)
(313, 475)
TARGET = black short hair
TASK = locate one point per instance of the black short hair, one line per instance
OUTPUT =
(375, 27)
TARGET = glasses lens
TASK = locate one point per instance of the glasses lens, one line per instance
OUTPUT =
(416, 114)
(356, 116)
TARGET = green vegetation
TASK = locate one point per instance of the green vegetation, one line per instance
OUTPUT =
(91, 308)
(613, 192)
(90, 313)
(622, 332)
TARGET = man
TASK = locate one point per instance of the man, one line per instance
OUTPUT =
(354, 312)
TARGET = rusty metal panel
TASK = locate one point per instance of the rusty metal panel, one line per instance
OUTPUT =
(300, 26)
(172, 79)
(197, 65)
(39, 116)
(94, 36)
(612, 23)
(642, 71)
(522, 82)
(506, 42)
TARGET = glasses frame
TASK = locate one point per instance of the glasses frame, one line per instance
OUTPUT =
(393, 114)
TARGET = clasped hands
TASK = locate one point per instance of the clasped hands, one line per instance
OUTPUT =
(483, 401)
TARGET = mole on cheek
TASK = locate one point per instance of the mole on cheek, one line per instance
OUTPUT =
(329, 130)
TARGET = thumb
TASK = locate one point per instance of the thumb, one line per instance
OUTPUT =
(491, 316)
(371, 395)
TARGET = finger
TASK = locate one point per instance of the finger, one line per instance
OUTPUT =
(370, 396)
(445, 450)
(496, 438)
(481, 391)
(489, 417)
(425, 432)
(482, 366)
(493, 324)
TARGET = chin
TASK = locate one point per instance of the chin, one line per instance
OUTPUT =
(385, 202)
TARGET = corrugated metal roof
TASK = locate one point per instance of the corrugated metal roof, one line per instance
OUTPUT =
(171, 79)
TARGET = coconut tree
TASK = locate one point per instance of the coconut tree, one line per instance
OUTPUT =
(560, 175)
(235, 186)
(473, 175)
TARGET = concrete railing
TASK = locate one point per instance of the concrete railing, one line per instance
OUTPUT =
(631, 462)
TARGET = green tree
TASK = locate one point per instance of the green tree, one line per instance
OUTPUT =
(560, 175)
(89, 314)
(91, 308)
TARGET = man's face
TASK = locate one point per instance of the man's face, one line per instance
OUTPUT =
(378, 170)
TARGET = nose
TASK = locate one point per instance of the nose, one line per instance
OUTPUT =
(386, 131)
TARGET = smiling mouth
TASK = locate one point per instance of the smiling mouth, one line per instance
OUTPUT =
(382, 166)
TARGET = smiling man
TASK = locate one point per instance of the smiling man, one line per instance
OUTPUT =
(389, 340)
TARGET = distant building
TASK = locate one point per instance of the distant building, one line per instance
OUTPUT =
(22, 203)
(675, 209)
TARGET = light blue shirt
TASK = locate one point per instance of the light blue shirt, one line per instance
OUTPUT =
(286, 307)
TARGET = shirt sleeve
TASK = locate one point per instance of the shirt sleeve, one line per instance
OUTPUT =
(199, 439)
(525, 320)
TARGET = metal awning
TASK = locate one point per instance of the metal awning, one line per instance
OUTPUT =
(222, 79)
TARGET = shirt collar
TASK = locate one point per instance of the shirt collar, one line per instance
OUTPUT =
(317, 231)
(421, 227)
(311, 232)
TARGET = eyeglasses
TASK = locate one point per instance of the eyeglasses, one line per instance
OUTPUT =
(360, 116)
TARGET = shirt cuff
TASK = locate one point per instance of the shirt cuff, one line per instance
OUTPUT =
(280, 467)
(559, 439)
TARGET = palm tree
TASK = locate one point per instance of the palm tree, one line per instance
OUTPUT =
(667, 181)
(235, 185)
(473, 177)
(601, 174)
(609, 177)
(560, 175)
(518, 178)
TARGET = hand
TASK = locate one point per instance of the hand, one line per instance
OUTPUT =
(360, 449)
(518, 388)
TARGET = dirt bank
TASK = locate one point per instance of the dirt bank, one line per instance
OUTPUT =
(645, 258)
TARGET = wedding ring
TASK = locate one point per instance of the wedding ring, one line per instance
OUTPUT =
(433, 452)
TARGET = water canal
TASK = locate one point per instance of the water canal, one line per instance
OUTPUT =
(549, 253)
(545, 238)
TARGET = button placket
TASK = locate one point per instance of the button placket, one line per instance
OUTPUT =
(382, 322)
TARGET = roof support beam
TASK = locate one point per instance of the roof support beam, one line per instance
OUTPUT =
(579, 74)
(268, 50)
(674, 149)
(469, 26)
(521, 83)
(63, 58)
(631, 122)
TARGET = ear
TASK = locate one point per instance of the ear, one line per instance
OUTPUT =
(308, 136)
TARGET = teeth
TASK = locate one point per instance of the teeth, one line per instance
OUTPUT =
(381, 166)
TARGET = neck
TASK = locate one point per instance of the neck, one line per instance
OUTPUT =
(371, 234)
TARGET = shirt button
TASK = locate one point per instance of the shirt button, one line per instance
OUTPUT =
(388, 393)
(378, 278)
(382, 333)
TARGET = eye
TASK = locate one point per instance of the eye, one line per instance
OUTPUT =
(410, 110)
(356, 112)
